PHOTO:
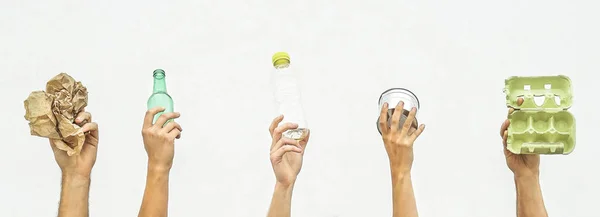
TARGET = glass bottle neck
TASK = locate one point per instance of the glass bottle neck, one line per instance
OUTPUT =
(160, 85)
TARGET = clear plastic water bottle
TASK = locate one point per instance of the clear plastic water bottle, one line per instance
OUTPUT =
(287, 96)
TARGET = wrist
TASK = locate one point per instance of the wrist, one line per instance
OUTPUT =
(75, 176)
(400, 169)
(75, 180)
(284, 187)
(529, 175)
(158, 168)
(399, 175)
(75, 172)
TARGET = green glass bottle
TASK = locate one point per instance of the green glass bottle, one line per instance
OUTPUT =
(159, 96)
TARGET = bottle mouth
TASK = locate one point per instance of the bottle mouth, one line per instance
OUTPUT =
(158, 74)
(394, 95)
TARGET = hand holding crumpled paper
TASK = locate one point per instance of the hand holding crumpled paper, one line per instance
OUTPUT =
(51, 114)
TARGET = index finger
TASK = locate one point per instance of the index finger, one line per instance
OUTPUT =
(275, 123)
(150, 115)
(277, 133)
(83, 118)
(383, 118)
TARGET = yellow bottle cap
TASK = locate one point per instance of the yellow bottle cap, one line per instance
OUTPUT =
(281, 58)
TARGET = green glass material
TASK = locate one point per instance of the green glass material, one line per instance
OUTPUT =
(160, 97)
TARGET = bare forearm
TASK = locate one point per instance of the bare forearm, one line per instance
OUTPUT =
(282, 201)
(74, 196)
(403, 195)
(530, 202)
(156, 195)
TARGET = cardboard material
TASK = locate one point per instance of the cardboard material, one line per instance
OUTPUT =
(51, 113)
(542, 124)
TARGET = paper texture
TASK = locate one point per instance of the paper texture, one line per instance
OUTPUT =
(51, 113)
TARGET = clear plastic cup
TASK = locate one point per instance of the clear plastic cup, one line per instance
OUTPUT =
(393, 96)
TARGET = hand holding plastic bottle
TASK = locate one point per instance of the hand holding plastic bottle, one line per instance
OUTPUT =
(286, 153)
(399, 141)
(519, 164)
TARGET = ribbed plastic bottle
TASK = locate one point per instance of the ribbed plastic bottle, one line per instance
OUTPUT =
(287, 95)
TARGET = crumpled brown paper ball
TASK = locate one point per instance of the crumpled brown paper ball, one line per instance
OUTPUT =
(51, 114)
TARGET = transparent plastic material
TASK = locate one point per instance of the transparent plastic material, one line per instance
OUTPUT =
(542, 124)
(287, 96)
(159, 96)
(393, 96)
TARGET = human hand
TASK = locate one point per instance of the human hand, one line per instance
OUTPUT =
(286, 153)
(82, 163)
(519, 164)
(399, 141)
(159, 139)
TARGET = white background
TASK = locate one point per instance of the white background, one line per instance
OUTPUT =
(454, 55)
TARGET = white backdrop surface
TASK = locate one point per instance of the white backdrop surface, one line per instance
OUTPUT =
(454, 55)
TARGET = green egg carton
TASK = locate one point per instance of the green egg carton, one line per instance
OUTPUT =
(542, 124)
